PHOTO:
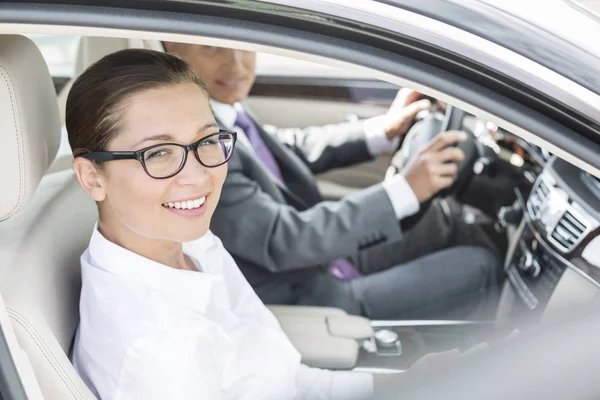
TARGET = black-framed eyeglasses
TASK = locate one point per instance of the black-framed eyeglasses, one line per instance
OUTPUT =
(165, 160)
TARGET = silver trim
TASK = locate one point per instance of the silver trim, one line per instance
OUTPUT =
(375, 370)
(591, 180)
(408, 322)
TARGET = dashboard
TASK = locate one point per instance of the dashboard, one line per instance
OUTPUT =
(557, 208)
(554, 253)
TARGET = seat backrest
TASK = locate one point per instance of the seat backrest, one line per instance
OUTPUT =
(41, 242)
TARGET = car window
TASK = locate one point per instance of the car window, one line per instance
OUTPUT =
(60, 53)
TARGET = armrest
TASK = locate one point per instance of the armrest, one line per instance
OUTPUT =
(325, 337)
(311, 337)
(350, 326)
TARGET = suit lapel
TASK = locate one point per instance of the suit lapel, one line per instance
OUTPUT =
(291, 167)
(246, 148)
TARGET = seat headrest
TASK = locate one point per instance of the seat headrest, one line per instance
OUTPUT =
(29, 121)
(92, 49)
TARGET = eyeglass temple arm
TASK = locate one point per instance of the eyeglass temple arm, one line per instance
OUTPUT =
(112, 155)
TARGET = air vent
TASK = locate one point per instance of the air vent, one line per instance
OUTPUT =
(568, 232)
(538, 196)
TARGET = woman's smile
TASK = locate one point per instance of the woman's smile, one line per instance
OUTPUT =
(194, 207)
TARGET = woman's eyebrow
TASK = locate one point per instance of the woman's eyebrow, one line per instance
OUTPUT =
(168, 137)
(206, 126)
(162, 136)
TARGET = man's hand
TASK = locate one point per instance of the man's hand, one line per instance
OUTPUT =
(403, 111)
(434, 168)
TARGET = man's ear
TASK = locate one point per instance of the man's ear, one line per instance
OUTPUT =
(90, 178)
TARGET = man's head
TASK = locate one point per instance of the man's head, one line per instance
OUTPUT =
(228, 73)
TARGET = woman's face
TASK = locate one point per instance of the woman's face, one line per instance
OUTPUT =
(132, 201)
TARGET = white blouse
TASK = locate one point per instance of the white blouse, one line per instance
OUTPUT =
(148, 331)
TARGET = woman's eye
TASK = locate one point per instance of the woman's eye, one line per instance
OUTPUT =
(156, 153)
(209, 142)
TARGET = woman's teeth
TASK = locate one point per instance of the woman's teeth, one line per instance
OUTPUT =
(186, 205)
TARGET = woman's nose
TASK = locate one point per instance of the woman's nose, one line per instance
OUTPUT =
(192, 172)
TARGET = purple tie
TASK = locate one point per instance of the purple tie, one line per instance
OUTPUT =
(257, 142)
(343, 269)
(340, 268)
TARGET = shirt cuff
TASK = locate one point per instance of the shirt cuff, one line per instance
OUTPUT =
(403, 198)
(348, 385)
(377, 141)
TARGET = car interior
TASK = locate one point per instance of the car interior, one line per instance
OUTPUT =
(541, 209)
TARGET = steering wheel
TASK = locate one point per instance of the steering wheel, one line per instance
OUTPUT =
(429, 124)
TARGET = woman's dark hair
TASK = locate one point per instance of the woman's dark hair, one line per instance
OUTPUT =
(94, 105)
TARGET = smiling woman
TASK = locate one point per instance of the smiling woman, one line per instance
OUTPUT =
(138, 95)
(188, 325)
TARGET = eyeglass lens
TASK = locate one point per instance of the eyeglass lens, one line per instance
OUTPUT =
(163, 161)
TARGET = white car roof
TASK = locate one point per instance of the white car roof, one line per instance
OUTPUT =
(574, 21)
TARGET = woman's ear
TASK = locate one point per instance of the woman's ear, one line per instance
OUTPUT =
(90, 178)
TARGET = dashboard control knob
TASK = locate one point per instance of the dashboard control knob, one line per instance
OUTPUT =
(535, 269)
(386, 337)
(526, 260)
(529, 264)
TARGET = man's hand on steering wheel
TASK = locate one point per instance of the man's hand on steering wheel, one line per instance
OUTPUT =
(435, 167)
(401, 114)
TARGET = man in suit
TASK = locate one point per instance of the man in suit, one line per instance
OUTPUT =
(295, 248)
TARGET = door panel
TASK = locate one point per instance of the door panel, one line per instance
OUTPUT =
(287, 113)
(304, 102)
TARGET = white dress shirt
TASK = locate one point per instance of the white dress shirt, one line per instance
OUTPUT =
(403, 198)
(149, 331)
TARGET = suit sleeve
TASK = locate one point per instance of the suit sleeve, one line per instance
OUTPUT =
(253, 226)
(327, 147)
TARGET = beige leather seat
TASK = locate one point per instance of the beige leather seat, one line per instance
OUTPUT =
(43, 231)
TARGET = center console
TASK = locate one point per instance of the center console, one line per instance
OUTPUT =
(329, 338)
(396, 345)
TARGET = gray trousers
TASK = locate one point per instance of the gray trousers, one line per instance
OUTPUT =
(443, 268)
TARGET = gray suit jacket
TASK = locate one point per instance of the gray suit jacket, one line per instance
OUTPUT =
(283, 232)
